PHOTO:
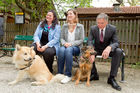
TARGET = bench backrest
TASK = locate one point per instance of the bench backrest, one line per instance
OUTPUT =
(24, 37)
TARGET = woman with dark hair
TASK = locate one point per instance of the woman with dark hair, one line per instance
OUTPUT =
(72, 37)
(46, 38)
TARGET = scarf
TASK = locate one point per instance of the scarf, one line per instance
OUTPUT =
(47, 28)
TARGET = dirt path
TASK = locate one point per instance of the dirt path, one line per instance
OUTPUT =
(8, 73)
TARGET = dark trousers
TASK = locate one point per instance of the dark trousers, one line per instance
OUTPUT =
(48, 55)
(115, 62)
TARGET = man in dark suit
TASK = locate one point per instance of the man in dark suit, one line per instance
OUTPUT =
(106, 44)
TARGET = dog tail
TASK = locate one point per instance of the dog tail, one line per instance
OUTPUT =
(57, 78)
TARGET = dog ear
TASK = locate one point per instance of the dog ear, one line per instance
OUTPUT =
(94, 53)
(18, 47)
(32, 50)
(32, 47)
(83, 48)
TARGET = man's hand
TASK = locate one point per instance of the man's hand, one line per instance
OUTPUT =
(92, 58)
(106, 52)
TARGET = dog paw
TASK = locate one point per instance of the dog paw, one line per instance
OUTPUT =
(88, 84)
(34, 84)
(77, 82)
(12, 83)
(72, 79)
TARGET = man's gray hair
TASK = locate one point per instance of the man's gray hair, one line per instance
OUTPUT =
(102, 16)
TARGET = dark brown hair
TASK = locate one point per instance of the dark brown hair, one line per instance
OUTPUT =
(54, 22)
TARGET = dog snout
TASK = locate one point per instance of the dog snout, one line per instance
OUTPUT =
(30, 58)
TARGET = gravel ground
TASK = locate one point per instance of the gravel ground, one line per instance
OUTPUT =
(8, 73)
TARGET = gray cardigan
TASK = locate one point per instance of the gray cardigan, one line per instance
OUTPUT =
(79, 35)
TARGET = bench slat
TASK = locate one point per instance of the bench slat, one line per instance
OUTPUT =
(8, 49)
(24, 37)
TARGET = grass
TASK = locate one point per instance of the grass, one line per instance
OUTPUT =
(136, 65)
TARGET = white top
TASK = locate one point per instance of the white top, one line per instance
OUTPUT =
(71, 36)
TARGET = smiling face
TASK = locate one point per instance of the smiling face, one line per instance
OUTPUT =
(101, 22)
(49, 17)
(71, 17)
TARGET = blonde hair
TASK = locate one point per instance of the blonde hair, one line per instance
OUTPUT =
(75, 13)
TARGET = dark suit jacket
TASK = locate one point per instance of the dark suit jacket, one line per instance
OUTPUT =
(110, 38)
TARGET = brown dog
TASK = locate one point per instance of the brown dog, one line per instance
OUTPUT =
(84, 70)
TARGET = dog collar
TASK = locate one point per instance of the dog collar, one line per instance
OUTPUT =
(28, 65)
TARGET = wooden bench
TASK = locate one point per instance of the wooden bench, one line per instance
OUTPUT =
(10, 49)
(100, 57)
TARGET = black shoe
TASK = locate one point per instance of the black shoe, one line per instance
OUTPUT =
(114, 84)
(94, 77)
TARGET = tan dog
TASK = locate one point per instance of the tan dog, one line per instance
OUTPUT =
(27, 62)
(84, 70)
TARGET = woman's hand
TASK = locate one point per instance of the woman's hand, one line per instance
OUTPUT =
(67, 45)
(43, 48)
(38, 46)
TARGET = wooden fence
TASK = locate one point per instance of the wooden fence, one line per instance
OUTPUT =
(128, 30)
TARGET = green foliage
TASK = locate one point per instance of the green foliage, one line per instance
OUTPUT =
(34, 8)
(137, 65)
(37, 9)
(63, 5)
(7, 5)
(39, 0)
(133, 2)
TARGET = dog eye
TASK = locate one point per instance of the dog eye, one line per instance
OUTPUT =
(25, 53)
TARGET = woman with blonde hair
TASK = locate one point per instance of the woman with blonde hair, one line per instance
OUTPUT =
(72, 36)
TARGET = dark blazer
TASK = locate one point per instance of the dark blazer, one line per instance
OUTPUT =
(110, 38)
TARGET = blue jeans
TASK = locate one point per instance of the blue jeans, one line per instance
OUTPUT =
(65, 56)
